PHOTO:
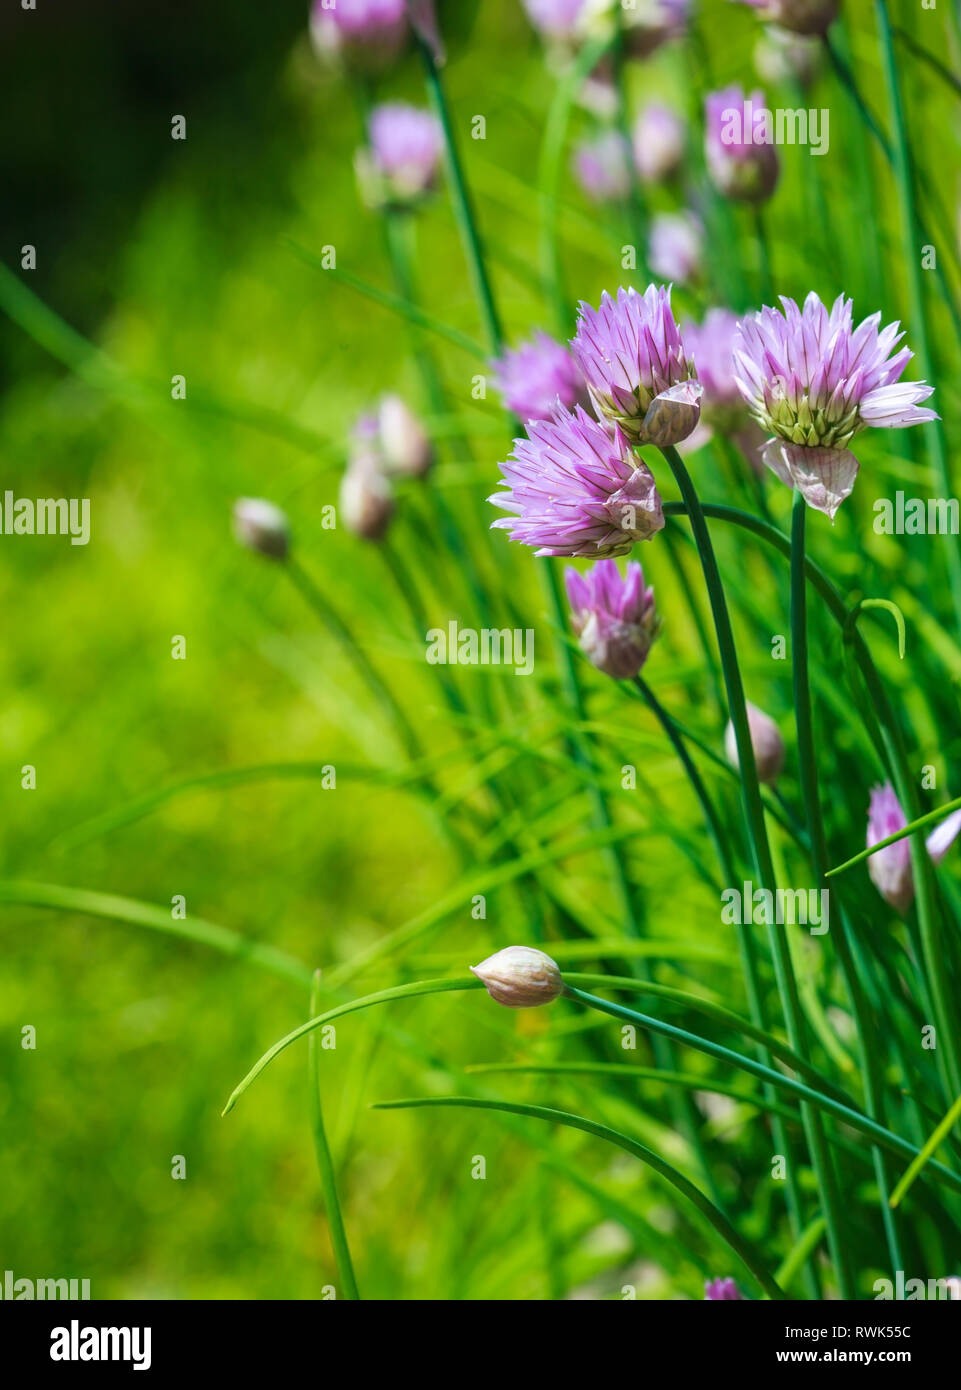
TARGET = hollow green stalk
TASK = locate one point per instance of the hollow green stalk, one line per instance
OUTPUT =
(325, 1162)
(892, 752)
(904, 178)
(868, 1047)
(754, 809)
(718, 1220)
(338, 628)
(748, 954)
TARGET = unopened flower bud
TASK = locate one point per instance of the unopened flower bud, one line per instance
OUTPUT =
(261, 526)
(766, 741)
(800, 16)
(673, 415)
(520, 977)
(780, 56)
(891, 870)
(658, 139)
(366, 35)
(741, 158)
(366, 499)
(404, 444)
(399, 165)
(613, 616)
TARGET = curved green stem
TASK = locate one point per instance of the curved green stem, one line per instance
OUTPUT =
(893, 1142)
(904, 178)
(754, 808)
(718, 1220)
(325, 1162)
(336, 625)
(747, 950)
(894, 753)
(807, 773)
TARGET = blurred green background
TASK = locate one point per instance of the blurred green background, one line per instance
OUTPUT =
(175, 258)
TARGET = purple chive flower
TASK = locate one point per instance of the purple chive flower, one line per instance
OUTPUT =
(711, 347)
(602, 167)
(890, 868)
(532, 376)
(676, 246)
(721, 1290)
(637, 371)
(555, 19)
(575, 488)
(614, 617)
(738, 145)
(800, 16)
(814, 381)
(658, 139)
(367, 33)
(392, 439)
(401, 162)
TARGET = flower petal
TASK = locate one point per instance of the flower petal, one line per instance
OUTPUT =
(824, 477)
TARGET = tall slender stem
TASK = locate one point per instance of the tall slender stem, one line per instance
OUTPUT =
(336, 625)
(748, 955)
(461, 202)
(754, 809)
(325, 1162)
(904, 177)
(807, 774)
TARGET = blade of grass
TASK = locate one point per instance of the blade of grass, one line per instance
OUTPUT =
(930, 1148)
(138, 914)
(325, 1163)
(748, 1256)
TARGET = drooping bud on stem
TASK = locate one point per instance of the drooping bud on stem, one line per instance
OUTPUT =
(766, 741)
(366, 498)
(260, 526)
(520, 977)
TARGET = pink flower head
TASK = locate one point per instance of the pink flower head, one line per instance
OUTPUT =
(738, 144)
(676, 246)
(637, 371)
(721, 1290)
(602, 167)
(369, 34)
(405, 148)
(711, 346)
(614, 617)
(532, 376)
(658, 139)
(575, 488)
(814, 381)
(800, 16)
(890, 869)
(554, 18)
